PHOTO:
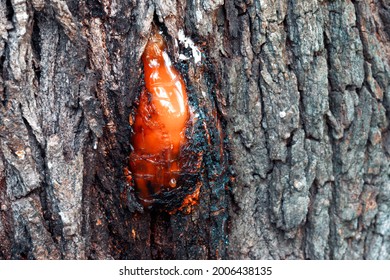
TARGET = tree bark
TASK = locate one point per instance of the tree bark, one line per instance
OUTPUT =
(292, 100)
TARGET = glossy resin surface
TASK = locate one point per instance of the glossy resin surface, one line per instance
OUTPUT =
(159, 125)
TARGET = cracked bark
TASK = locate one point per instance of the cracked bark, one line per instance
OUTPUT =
(293, 98)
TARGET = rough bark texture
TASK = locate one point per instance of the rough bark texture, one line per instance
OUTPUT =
(292, 99)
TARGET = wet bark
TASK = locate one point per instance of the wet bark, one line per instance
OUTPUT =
(292, 100)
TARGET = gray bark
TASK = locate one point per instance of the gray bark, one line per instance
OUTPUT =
(293, 99)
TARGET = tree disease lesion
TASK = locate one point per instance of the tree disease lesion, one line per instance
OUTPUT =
(198, 159)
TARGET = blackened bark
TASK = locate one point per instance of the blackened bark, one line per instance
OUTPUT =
(292, 103)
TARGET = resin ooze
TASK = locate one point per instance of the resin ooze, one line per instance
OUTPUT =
(159, 141)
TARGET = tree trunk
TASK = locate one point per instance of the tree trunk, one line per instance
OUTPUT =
(292, 100)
